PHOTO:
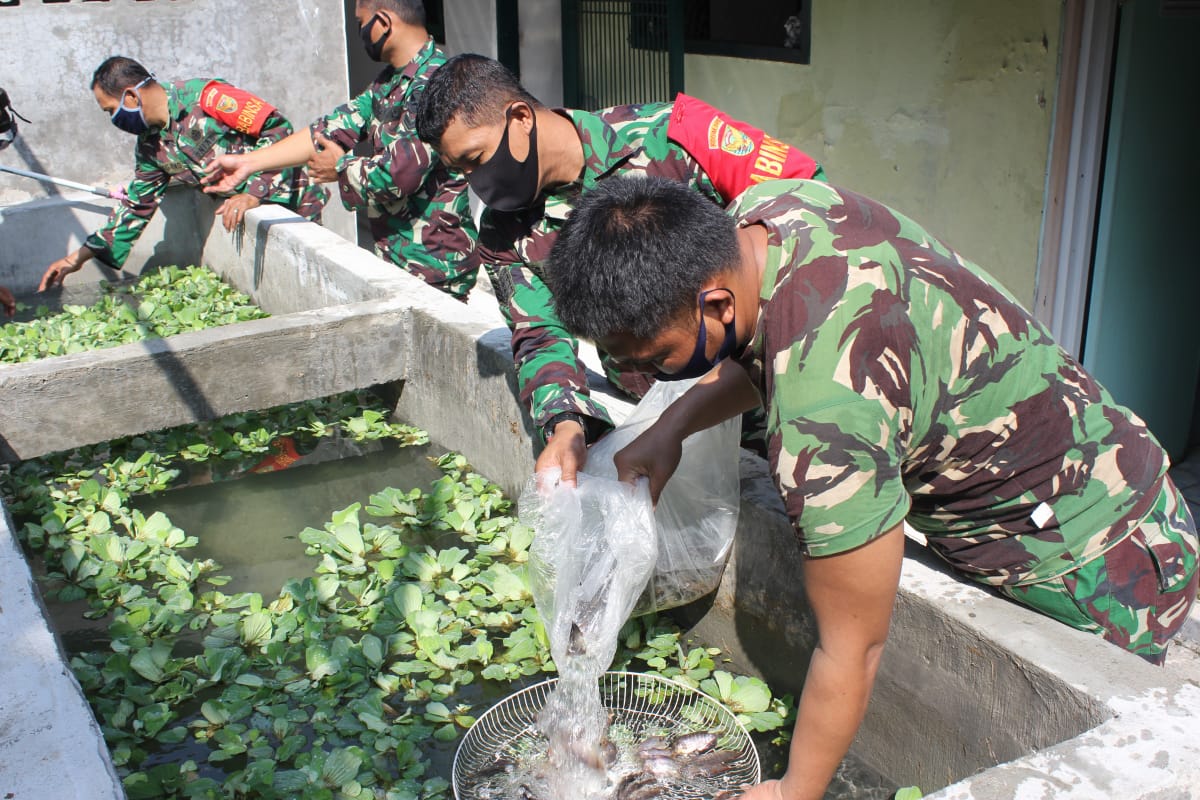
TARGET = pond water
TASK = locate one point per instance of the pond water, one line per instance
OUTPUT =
(251, 527)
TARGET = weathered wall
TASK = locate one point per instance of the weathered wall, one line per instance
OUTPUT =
(294, 56)
(941, 108)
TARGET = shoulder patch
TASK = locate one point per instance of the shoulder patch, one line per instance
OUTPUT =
(735, 154)
(235, 107)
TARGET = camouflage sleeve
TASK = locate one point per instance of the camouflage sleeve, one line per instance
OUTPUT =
(279, 186)
(346, 123)
(550, 375)
(386, 178)
(125, 224)
(835, 463)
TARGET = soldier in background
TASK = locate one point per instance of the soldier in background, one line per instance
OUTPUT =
(180, 126)
(901, 382)
(530, 164)
(417, 210)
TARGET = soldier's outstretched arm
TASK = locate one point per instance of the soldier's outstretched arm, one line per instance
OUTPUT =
(387, 177)
(224, 174)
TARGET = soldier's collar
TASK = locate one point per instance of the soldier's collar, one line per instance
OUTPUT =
(418, 61)
(603, 148)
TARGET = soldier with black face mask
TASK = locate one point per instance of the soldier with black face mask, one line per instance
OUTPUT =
(417, 209)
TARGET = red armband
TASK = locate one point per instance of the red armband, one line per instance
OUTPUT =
(235, 107)
(734, 154)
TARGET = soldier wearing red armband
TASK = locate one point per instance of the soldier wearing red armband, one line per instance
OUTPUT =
(530, 164)
(180, 127)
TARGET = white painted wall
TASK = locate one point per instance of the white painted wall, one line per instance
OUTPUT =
(541, 49)
(470, 27)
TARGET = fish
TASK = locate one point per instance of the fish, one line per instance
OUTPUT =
(692, 744)
(710, 764)
(600, 757)
(654, 746)
(661, 766)
(501, 764)
(638, 786)
(577, 644)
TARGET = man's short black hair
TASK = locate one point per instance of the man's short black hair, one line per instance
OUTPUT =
(117, 74)
(634, 255)
(411, 12)
(473, 88)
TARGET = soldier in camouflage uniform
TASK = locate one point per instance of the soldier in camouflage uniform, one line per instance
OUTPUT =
(530, 164)
(180, 126)
(901, 382)
(417, 209)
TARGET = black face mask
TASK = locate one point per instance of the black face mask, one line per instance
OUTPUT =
(502, 182)
(699, 364)
(374, 46)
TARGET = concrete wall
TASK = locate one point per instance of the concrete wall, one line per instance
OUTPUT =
(48, 76)
(541, 49)
(471, 26)
(941, 108)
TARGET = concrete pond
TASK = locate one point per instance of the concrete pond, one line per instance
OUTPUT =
(977, 698)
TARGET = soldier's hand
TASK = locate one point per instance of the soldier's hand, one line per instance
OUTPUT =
(54, 274)
(7, 301)
(323, 164)
(767, 790)
(566, 449)
(227, 172)
(654, 455)
(233, 210)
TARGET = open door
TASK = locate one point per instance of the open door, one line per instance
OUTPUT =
(1141, 335)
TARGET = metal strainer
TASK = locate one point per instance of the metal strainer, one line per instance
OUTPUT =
(641, 706)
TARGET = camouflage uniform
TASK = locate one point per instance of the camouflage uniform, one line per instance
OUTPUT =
(417, 210)
(180, 152)
(514, 246)
(902, 382)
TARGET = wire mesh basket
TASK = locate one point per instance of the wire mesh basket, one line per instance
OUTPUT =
(641, 708)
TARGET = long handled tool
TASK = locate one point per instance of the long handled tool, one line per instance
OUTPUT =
(37, 176)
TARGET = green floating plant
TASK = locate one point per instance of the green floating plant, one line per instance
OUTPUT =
(168, 301)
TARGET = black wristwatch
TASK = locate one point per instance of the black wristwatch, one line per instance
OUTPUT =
(552, 423)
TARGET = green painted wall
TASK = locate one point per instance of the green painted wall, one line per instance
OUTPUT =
(941, 108)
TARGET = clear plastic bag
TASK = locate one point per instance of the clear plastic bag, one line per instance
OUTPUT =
(602, 553)
(697, 512)
(592, 554)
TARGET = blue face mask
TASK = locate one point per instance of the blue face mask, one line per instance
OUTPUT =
(132, 120)
(699, 363)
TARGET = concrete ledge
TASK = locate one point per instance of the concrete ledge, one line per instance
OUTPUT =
(121, 391)
(50, 744)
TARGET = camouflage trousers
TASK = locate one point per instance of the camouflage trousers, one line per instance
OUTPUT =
(1138, 593)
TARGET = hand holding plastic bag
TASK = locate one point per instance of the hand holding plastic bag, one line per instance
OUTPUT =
(600, 544)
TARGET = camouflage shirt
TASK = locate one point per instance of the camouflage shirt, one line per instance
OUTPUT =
(514, 246)
(416, 208)
(179, 152)
(901, 381)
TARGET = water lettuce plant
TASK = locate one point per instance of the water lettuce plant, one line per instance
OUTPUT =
(352, 681)
(168, 301)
